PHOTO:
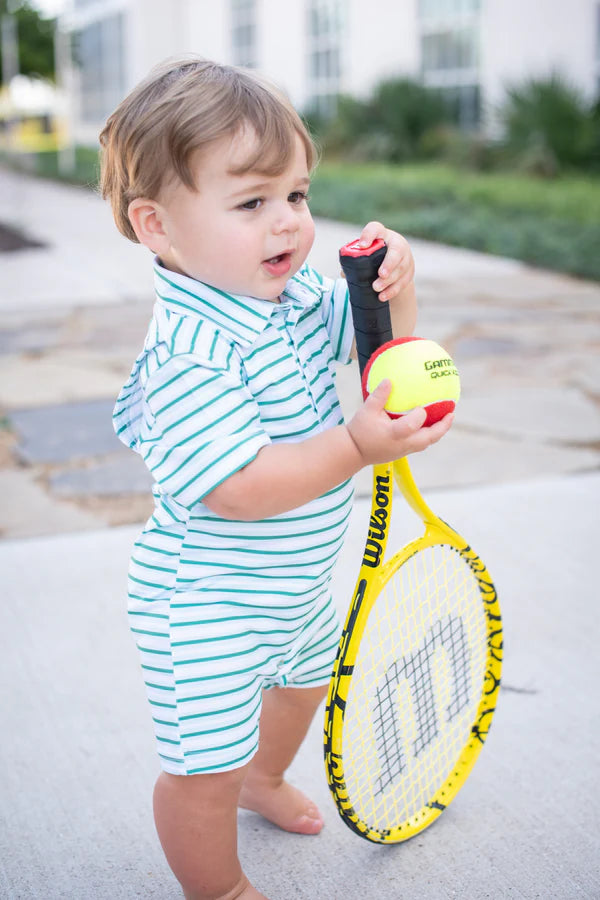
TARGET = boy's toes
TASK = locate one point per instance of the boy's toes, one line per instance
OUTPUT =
(309, 823)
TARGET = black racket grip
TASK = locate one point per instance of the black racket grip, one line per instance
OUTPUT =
(371, 317)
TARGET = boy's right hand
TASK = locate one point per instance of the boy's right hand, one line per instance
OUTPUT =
(380, 439)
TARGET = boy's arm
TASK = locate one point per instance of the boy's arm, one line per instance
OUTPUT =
(284, 476)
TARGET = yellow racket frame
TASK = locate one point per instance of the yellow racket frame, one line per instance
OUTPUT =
(373, 575)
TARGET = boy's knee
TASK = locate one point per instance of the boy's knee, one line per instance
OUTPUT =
(217, 784)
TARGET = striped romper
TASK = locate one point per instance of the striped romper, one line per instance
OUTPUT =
(222, 609)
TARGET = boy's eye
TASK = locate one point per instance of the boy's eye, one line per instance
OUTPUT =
(252, 204)
(297, 196)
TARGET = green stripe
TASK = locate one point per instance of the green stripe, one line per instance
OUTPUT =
(191, 734)
(255, 615)
(160, 634)
(261, 552)
(258, 666)
(230, 764)
(200, 660)
(261, 349)
(145, 565)
(235, 570)
(212, 465)
(235, 637)
(175, 333)
(294, 415)
(152, 549)
(201, 697)
(223, 709)
(149, 650)
(148, 615)
(222, 746)
(343, 323)
(262, 403)
(271, 365)
(159, 687)
(176, 377)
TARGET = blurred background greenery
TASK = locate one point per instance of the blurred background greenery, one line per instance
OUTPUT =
(531, 191)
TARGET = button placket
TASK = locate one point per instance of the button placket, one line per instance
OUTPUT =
(306, 370)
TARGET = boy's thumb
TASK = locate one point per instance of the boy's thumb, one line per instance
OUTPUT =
(378, 397)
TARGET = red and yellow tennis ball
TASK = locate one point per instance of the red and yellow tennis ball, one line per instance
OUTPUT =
(422, 374)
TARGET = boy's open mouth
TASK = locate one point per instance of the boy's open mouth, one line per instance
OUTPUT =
(278, 265)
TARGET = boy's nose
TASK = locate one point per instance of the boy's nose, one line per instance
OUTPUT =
(285, 220)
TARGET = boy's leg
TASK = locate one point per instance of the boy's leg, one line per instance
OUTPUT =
(285, 718)
(196, 820)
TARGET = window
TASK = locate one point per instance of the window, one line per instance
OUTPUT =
(243, 33)
(99, 58)
(450, 55)
(444, 8)
(325, 31)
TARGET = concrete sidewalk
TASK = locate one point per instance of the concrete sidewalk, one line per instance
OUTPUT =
(78, 762)
(518, 475)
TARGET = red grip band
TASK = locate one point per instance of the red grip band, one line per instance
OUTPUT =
(354, 248)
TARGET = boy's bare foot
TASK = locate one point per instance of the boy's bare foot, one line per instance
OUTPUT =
(242, 891)
(250, 893)
(281, 803)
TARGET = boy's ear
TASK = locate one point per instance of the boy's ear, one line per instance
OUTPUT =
(146, 217)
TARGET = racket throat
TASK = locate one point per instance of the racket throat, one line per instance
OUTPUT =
(381, 510)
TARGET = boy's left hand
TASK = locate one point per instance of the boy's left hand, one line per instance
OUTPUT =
(398, 267)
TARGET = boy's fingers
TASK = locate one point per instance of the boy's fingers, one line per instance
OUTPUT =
(370, 232)
(391, 266)
(396, 281)
(413, 420)
(433, 433)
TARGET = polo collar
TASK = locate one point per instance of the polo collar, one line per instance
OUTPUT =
(239, 317)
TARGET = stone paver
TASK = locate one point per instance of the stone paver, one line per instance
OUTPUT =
(111, 477)
(70, 431)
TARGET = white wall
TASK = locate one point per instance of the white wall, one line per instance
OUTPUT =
(382, 42)
(208, 29)
(282, 48)
(158, 29)
(524, 38)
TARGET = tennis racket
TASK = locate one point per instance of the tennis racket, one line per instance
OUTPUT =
(417, 673)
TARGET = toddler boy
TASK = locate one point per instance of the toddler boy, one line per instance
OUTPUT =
(232, 405)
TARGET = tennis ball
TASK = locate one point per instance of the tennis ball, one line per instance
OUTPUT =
(422, 374)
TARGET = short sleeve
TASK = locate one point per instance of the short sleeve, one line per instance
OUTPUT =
(335, 312)
(201, 425)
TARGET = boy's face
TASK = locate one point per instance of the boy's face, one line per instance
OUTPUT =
(245, 234)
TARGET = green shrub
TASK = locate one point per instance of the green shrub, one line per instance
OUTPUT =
(407, 111)
(549, 126)
(398, 122)
(551, 224)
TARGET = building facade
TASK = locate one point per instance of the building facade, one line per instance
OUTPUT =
(317, 49)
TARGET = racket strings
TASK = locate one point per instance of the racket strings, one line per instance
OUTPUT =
(416, 686)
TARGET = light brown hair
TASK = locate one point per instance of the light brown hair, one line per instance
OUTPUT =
(183, 106)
